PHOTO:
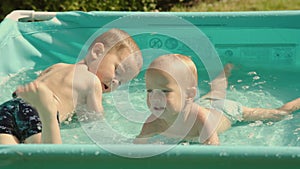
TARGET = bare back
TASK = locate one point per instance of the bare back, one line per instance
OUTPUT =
(70, 85)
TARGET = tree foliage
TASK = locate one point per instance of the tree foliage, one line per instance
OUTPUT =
(6, 6)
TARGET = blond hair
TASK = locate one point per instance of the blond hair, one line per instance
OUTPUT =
(115, 40)
(167, 63)
(191, 65)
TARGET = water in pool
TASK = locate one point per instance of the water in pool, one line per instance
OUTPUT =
(126, 108)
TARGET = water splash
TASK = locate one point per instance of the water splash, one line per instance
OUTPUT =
(250, 88)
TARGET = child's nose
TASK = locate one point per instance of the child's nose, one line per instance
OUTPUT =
(115, 82)
(157, 96)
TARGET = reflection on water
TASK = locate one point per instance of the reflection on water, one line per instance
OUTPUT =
(126, 109)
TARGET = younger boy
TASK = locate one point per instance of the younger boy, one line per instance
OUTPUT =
(171, 82)
(112, 59)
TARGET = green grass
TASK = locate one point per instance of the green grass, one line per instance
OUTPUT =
(241, 5)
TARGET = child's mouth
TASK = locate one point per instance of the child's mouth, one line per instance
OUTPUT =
(105, 86)
(158, 108)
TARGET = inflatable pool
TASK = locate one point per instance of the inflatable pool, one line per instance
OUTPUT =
(264, 46)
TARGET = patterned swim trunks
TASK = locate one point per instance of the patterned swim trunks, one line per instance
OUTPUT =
(19, 119)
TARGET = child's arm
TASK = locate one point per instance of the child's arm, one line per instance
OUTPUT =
(213, 139)
(219, 85)
(94, 97)
(208, 132)
(40, 97)
(149, 129)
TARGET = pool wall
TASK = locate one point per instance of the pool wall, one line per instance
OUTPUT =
(91, 156)
(261, 39)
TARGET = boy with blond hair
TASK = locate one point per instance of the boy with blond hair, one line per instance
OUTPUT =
(112, 59)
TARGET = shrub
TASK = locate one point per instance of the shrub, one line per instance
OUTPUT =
(69, 5)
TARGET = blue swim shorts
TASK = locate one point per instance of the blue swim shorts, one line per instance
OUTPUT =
(19, 119)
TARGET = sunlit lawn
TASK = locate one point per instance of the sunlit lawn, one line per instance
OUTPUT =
(242, 5)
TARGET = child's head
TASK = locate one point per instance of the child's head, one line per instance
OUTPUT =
(171, 80)
(115, 58)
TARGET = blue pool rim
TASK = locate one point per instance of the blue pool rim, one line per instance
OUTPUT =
(195, 156)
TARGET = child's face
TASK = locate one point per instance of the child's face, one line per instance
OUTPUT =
(164, 95)
(115, 69)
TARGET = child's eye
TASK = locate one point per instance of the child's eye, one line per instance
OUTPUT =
(149, 90)
(166, 91)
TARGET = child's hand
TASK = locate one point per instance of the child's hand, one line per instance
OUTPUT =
(40, 97)
(227, 69)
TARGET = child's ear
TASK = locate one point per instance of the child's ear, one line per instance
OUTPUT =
(97, 50)
(191, 92)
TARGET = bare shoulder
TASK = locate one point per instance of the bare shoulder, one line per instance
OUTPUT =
(200, 111)
(57, 65)
(81, 73)
(60, 64)
(53, 67)
(87, 81)
(92, 79)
